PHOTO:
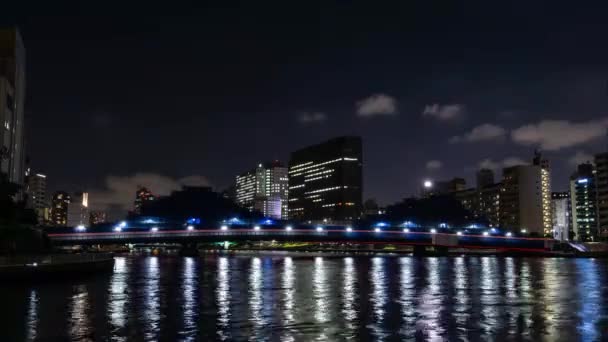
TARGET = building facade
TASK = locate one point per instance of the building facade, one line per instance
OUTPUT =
(12, 102)
(560, 210)
(484, 177)
(142, 195)
(482, 203)
(97, 217)
(59, 208)
(601, 177)
(78, 210)
(525, 199)
(37, 198)
(583, 203)
(265, 189)
(325, 181)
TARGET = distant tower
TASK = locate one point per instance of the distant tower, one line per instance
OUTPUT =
(142, 195)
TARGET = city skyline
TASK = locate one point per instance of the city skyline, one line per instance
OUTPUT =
(427, 105)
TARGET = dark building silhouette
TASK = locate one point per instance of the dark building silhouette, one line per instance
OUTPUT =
(142, 195)
(200, 202)
(484, 177)
(325, 181)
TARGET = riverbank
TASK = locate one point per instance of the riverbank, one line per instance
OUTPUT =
(48, 266)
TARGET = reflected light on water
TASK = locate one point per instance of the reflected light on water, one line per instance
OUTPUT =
(255, 294)
(349, 294)
(378, 297)
(32, 316)
(288, 284)
(407, 289)
(119, 296)
(590, 297)
(223, 297)
(430, 303)
(462, 299)
(320, 292)
(152, 299)
(489, 295)
(80, 326)
(189, 286)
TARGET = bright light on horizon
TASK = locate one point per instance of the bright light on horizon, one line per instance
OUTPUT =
(224, 227)
(319, 229)
(433, 231)
(190, 227)
(428, 184)
(288, 228)
(256, 228)
(377, 230)
(349, 229)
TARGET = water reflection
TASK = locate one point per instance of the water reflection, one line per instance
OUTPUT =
(320, 298)
(79, 319)
(223, 297)
(152, 299)
(32, 316)
(378, 298)
(189, 285)
(119, 296)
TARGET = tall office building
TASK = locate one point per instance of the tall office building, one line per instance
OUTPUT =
(583, 203)
(36, 197)
(97, 217)
(142, 196)
(78, 210)
(325, 181)
(264, 189)
(525, 199)
(601, 176)
(560, 210)
(484, 177)
(59, 208)
(12, 101)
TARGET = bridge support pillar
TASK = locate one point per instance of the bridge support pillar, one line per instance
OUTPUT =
(189, 249)
(441, 250)
(419, 250)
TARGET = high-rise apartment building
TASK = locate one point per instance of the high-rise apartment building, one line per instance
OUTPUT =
(265, 189)
(12, 101)
(36, 197)
(560, 210)
(97, 217)
(583, 203)
(525, 198)
(325, 181)
(142, 195)
(601, 176)
(59, 208)
(482, 203)
(78, 210)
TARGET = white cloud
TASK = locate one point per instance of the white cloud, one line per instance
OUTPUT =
(497, 165)
(552, 135)
(580, 157)
(312, 117)
(434, 164)
(120, 191)
(377, 104)
(483, 132)
(444, 112)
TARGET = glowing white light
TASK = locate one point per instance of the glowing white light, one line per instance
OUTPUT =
(458, 233)
(377, 230)
(523, 231)
(319, 229)
(154, 229)
(256, 228)
(433, 231)
(122, 224)
(406, 230)
(485, 234)
(190, 227)
(509, 234)
(428, 184)
(224, 227)
(349, 229)
(81, 228)
(117, 229)
(288, 228)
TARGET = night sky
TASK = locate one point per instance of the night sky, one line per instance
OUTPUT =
(126, 94)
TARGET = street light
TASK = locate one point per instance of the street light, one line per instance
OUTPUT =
(377, 230)
(458, 233)
(224, 227)
(433, 231)
(288, 228)
(256, 228)
(485, 234)
(154, 229)
(509, 234)
(319, 229)
(427, 184)
(349, 229)
(190, 227)
(80, 228)
(405, 230)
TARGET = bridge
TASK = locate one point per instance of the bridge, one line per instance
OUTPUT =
(189, 235)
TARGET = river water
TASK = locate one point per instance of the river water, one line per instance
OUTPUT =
(303, 297)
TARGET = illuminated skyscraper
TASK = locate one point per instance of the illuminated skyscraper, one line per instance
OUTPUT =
(325, 181)
(59, 208)
(12, 101)
(264, 189)
(560, 209)
(97, 217)
(525, 198)
(601, 167)
(583, 203)
(36, 197)
(78, 210)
